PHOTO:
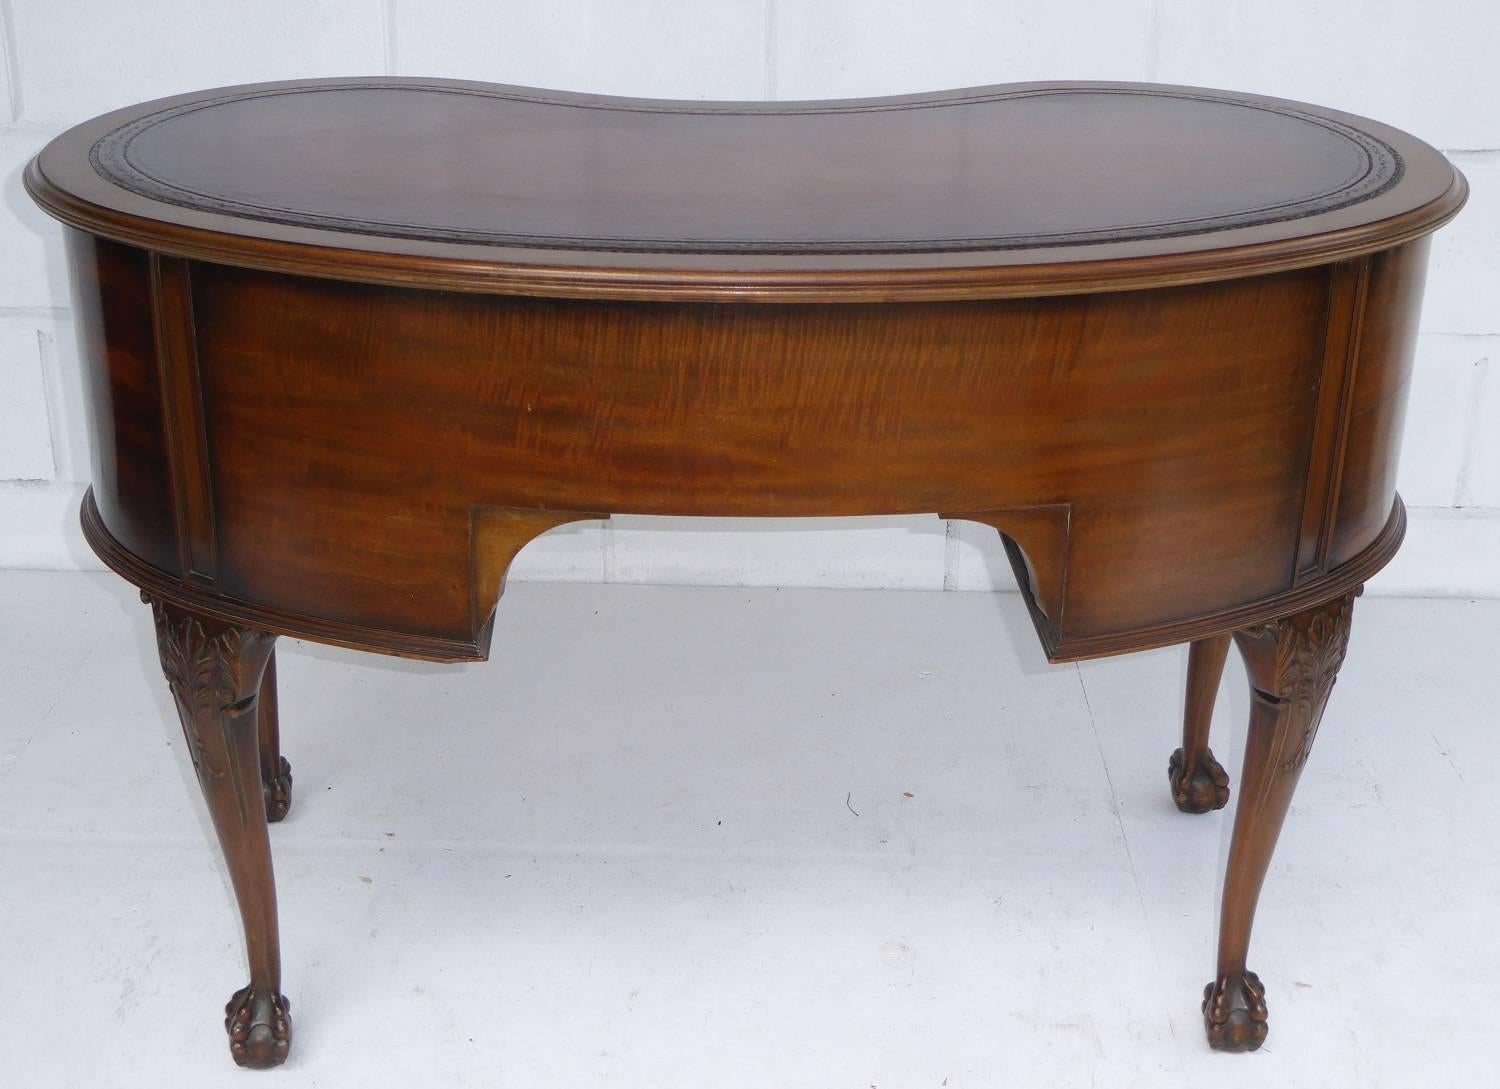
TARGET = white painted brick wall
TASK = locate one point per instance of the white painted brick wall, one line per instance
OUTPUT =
(1479, 479)
(32, 273)
(1440, 418)
(62, 61)
(76, 58)
(26, 438)
(1463, 282)
(1420, 67)
(849, 48)
(655, 48)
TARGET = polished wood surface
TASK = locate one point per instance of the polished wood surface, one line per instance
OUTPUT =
(1292, 662)
(1199, 782)
(1022, 189)
(215, 671)
(353, 343)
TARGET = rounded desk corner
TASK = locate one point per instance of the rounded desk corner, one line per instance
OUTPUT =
(161, 585)
(1347, 577)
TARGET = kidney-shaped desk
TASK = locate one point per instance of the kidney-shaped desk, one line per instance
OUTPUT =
(353, 343)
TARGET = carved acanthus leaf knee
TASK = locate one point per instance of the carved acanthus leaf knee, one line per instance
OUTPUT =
(1309, 648)
(211, 667)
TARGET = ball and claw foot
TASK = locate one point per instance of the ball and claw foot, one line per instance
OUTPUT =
(1234, 1013)
(259, 1027)
(279, 792)
(1201, 787)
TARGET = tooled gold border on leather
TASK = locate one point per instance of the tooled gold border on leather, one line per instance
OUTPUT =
(1383, 168)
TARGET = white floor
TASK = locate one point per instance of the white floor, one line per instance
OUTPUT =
(711, 837)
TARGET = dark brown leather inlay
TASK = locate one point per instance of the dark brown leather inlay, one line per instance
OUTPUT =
(996, 170)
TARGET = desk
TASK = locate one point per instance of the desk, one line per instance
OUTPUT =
(353, 343)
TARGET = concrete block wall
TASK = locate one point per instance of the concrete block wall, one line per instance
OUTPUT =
(1425, 70)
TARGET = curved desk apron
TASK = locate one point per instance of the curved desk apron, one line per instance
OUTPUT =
(353, 343)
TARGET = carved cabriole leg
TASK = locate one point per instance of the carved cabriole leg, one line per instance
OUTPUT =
(275, 771)
(1292, 664)
(1199, 783)
(215, 670)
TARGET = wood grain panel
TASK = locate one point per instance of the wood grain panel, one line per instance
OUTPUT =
(1347, 293)
(182, 415)
(361, 423)
(132, 485)
(1378, 404)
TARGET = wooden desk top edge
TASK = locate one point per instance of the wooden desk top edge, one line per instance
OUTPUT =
(62, 181)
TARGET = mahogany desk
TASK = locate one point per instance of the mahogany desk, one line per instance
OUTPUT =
(352, 343)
